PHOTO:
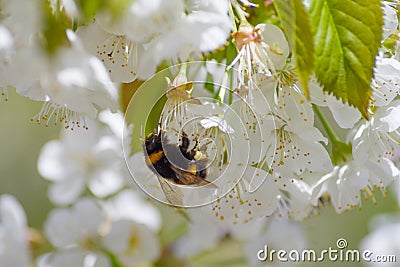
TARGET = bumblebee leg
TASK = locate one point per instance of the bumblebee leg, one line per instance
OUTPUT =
(194, 150)
(185, 142)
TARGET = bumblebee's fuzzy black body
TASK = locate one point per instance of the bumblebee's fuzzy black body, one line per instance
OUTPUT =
(173, 162)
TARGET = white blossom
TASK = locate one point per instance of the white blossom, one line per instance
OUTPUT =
(196, 240)
(91, 158)
(23, 23)
(373, 144)
(132, 243)
(383, 240)
(73, 84)
(240, 206)
(125, 206)
(395, 158)
(76, 233)
(73, 257)
(14, 250)
(390, 19)
(386, 82)
(278, 234)
(146, 19)
(84, 232)
(119, 54)
(84, 222)
(6, 44)
(262, 49)
(69, 6)
(202, 30)
(345, 115)
(298, 146)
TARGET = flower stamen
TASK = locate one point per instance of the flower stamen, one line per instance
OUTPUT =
(52, 112)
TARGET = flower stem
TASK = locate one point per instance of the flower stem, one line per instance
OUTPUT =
(341, 152)
(232, 17)
(331, 134)
(240, 12)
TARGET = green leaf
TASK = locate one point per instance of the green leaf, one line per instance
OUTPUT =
(231, 52)
(285, 9)
(347, 36)
(296, 25)
(117, 7)
(54, 31)
(113, 259)
(89, 8)
(209, 85)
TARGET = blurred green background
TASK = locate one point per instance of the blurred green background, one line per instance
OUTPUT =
(20, 144)
(21, 141)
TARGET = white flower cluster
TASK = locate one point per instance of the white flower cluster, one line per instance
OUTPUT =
(115, 224)
(71, 83)
(272, 155)
(80, 76)
(96, 230)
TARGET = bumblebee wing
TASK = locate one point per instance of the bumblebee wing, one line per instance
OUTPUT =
(173, 194)
(190, 176)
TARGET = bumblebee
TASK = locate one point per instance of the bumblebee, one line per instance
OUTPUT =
(175, 164)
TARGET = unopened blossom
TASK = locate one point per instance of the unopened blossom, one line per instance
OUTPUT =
(179, 93)
(14, 250)
(210, 77)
